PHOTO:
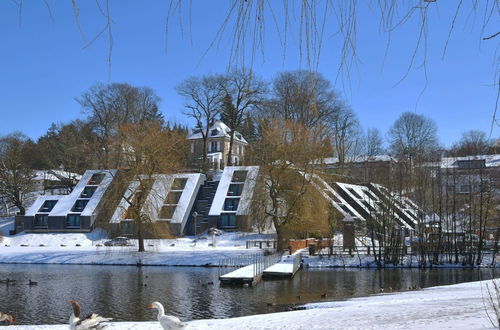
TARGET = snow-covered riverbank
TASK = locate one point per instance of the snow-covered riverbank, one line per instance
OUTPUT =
(89, 249)
(460, 306)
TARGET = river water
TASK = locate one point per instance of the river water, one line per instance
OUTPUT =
(122, 292)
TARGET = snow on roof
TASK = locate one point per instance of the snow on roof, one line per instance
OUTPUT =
(33, 209)
(223, 187)
(335, 199)
(55, 175)
(156, 198)
(217, 130)
(489, 160)
(360, 159)
(64, 206)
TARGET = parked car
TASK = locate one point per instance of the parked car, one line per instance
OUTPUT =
(118, 241)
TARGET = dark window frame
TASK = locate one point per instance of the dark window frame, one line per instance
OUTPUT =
(231, 204)
(72, 223)
(47, 208)
(227, 220)
(96, 179)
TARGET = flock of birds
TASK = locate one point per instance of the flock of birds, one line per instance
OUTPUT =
(95, 321)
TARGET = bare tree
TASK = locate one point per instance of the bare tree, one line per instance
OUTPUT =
(109, 106)
(346, 134)
(243, 93)
(374, 142)
(15, 172)
(204, 98)
(302, 96)
(472, 142)
(413, 136)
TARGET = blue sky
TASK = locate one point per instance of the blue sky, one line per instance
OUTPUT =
(44, 64)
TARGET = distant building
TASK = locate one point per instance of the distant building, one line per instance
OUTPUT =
(217, 146)
(362, 168)
(358, 204)
(53, 179)
(464, 175)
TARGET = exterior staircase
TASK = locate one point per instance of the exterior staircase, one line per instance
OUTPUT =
(202, 206)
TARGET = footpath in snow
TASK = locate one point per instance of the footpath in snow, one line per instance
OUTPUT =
(460, 306)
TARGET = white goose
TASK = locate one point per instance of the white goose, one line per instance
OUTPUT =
(92, 321)
(169, 322)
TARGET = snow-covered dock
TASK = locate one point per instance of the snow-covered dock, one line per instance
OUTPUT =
(287, 267)
(241, 276)
(252, 271)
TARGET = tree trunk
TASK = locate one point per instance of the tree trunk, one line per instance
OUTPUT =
(230, 151)
(140, 237)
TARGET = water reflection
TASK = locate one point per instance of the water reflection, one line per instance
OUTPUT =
(122, 292)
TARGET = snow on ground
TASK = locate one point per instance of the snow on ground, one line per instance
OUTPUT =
(88, 248)
(459, 306)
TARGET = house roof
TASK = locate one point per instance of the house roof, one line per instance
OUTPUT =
(489, 160)
(217, 130)
(361, 159)
(55, 175)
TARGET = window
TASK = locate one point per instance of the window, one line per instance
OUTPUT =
(354, 193)
(473, 163)
(41, 220)
(239, 176)
(88, 192)
(347, 210)
(73, 220)
(79, 205)
(179, 184)
(47, 206)
(167, 211)
(227, 220)
(367, 193)
(465, 188)
(235, 189)
(368, 206)
(214, 146)
(214, 132)
(238, 136)
(231, 204)
(96, 179)
(173, 197)
(192, 147)
(126, 227)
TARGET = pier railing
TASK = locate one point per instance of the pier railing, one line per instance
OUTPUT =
(259, 262)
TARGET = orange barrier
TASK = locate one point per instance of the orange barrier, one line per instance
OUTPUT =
(294, 245)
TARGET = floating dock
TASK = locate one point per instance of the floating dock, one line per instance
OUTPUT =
(241, 276)
(286, 268)
(248, 273)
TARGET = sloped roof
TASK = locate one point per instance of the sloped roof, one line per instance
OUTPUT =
(217, 130)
